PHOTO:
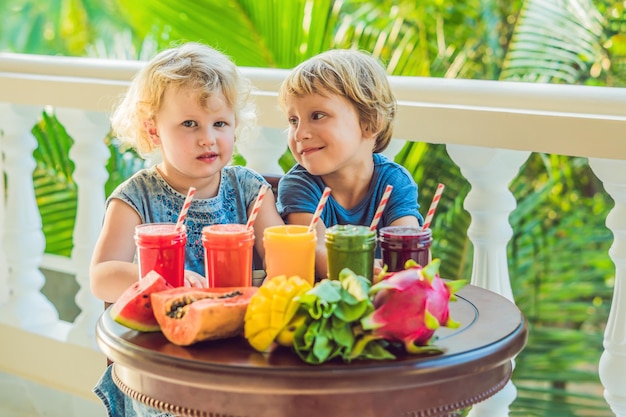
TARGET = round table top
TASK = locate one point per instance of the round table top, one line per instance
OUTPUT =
(229, 378)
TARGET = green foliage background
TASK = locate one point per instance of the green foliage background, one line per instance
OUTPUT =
(562, 278)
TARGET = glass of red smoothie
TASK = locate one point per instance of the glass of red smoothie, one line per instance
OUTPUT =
(228, 255)
(161, 248)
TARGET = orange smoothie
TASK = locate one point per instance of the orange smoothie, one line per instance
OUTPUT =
(290, 250)
(228, 255)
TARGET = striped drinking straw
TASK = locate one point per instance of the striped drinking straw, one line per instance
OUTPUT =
(381, 207)
(257, 206)
(183, 212)
(318, 210)
(433, 206)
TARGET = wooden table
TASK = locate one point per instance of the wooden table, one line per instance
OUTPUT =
(229, 378)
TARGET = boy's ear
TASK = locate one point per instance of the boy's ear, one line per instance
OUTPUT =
(369, 131)
(151, 131)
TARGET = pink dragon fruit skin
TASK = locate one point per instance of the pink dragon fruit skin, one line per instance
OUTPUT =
(410, 305)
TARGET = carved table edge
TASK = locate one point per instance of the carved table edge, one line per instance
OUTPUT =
(444, 410)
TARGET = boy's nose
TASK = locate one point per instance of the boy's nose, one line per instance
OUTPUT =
(301, 133)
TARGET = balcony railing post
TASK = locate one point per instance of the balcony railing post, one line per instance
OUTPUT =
(490, 171)
(24, 239)
(263, 150)
(4, 266)
(613, 360)
(90, 155)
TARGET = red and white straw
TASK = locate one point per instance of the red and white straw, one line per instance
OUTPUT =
(433, 206)
(183, 212)
(257, 206)
(381, 207)
(318, 210)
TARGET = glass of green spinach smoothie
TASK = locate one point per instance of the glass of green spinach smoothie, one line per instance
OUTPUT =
(350, 246)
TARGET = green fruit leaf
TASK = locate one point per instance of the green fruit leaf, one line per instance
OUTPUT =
(357, 286)
(342, 334)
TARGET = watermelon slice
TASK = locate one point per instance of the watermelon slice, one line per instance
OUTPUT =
(133, 309)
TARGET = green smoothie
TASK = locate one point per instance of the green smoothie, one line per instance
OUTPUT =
(353, 247)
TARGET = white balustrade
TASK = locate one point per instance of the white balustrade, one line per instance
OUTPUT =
(90, 155)
(23, 237)
(263, 150)
(394, 147)
(489, 128)
(489, 202)
(612, 362)
(4, 265)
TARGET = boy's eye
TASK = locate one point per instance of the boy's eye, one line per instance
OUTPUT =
(292, 121)
(189, 123)
(219, 124)
(317, 115)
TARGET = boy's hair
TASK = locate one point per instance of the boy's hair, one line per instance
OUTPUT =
(190, 65)
(355, 75)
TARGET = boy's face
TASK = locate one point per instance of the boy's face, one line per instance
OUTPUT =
(325, 134)
(196, 141)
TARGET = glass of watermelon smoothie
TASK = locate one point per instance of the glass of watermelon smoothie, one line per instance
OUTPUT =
(228, 255)
(161, 248)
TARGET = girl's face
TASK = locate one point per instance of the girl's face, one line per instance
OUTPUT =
(325, 134)
(196, 142)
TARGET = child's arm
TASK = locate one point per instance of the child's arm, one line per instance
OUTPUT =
(321, 265)
(406, 221)
(112, 269)
(267, 216)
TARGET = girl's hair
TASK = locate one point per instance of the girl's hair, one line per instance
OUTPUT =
(355, 75)
(190, 65)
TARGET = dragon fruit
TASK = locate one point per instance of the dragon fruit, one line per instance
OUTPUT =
(410, 305)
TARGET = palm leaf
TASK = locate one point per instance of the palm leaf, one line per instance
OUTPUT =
(122, 164)
(55, 189)
(223, 24)
(555, 41)
(559, 282)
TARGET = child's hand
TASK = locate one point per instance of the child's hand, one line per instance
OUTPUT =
(378, 269)
(193, 279)
(378, 266)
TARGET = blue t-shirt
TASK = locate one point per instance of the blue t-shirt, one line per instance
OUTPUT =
(156, 201)
(300, 192)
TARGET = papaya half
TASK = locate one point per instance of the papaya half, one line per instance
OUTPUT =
(189, 315)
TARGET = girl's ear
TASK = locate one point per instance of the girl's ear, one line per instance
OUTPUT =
(151, 131)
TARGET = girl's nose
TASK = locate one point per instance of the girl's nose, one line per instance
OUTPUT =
(206, 137)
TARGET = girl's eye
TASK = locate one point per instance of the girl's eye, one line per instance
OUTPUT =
(292, 121)
(189, 123)
(220, 124)
(317, 115)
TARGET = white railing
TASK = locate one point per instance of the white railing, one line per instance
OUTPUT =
(489, 128)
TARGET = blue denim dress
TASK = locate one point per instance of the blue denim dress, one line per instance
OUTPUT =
(119, 404)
